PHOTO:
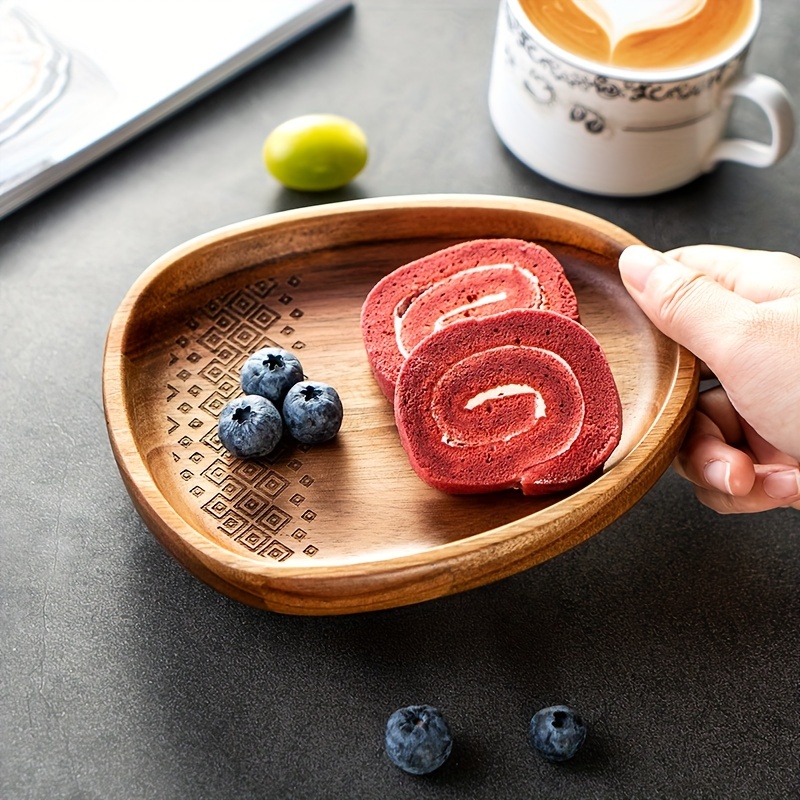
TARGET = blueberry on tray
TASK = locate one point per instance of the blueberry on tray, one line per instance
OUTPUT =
(250, 426)
(271, 372)
(312, 412)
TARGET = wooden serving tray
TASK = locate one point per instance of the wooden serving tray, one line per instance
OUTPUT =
(348, 526)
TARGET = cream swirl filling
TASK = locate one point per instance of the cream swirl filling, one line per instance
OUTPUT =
(455, 422)
(512, 286)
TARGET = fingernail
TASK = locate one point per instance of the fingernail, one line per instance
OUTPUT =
(717, 475)
(637, 262)
(783, 484)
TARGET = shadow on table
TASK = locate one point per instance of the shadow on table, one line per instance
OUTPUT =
(668, 628)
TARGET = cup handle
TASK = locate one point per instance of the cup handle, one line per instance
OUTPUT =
(773, 99)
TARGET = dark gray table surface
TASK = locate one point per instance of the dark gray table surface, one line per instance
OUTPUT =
(675, 631)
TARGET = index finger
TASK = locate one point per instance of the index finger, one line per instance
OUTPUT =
(758, 275)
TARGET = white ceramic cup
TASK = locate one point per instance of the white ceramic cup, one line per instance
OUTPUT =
(625, 132)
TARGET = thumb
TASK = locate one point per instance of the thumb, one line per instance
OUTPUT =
(684, 303)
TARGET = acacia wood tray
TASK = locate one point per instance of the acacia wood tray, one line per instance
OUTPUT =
(347, 526)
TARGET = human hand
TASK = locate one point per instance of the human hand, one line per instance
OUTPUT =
(738, 311)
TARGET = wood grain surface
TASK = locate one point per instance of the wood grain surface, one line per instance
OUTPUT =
(347, 526)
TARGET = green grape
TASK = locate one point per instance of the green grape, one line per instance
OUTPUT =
(316, 152)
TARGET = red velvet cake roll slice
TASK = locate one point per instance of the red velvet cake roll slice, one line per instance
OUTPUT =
(471, 279)
(521, 399)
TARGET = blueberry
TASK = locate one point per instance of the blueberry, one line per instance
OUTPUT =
(271, 372)
(557, 732)
(418, 739)
(250, 426)
(312, 412)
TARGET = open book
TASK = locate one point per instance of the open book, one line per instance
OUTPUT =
(80, 77)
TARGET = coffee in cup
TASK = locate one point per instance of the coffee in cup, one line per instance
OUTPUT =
(642, 34)
(630, 97)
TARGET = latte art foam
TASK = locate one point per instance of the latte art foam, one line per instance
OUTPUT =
(642, 34)
(621, 18)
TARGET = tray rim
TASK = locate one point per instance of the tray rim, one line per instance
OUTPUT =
(232, 570)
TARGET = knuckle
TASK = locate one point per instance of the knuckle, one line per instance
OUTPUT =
(680, 298)
(685, 304)
(788, 260)
(728, 504)
(716, 501)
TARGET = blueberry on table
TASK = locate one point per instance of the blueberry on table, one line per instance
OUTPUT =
(271, 372)
(312, 412)
(250, 426)
(557, 732)
(418, 739)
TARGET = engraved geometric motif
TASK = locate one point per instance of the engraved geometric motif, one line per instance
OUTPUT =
(253, 538)
(244, 498)
(276, 550)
